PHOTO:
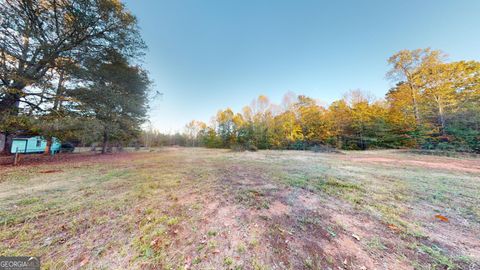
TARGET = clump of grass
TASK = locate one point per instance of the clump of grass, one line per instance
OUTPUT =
(300, 181)
(196, 260)
(327, 184)
(375, 243)
(335, 186)
(241, 248)
(253, 198)
(152, 238)
(227, 261)
(254, 242)
(28, 201)
(308, 263)
(437, 255)
(212, 244)
(172, 221)
(257, 265)
(331, 232)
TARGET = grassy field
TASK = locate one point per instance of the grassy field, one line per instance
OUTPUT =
(178, 208)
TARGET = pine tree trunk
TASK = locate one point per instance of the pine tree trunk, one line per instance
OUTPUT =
(48, 147)
(8, 144)
(105, 142)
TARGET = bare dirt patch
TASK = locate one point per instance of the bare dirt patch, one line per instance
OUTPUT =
(466, 165)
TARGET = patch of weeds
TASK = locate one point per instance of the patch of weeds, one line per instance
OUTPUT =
(241, 248)
(400, 197)
(308, 263)
(227, 261)
(265, 204)
(437, 255)
(252, 198)
(300, 181)
(102, 220)
(471, 212)
(153, 185)
(75, 226)
(390, 214)
(19, 176)
(28, 201)
(355, 199)
(464, 259)
(254, 242)
(415, 232)
(334, 186)
(148, 211)
(257, 265)
(152, 235)
(212, 244)
(172, 197)
(200, 247)
(438, 196)
(196, 260)
(330, 260)
(116, 173)
(307, 219)
(304, 222)
(142, 191)
(376, 243)
(212, 233)
(329, 185)
(7, 218)
(172, 221)
(196, 206)
(331, 232)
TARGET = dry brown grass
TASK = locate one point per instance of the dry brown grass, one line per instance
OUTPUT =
(180, 208)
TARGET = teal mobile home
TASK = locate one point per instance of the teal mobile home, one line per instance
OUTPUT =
(35, 144)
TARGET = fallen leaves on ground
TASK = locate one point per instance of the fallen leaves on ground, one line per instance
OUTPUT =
(394, 228)
(442, 218)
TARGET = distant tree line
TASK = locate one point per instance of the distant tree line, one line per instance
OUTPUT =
(434, 105)
(155, 138)
(66, 71)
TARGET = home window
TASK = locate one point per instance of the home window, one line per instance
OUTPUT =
(39, 143)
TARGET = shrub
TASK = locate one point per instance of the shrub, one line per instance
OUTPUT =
(237, 148)
(244, 147)
(252, 148)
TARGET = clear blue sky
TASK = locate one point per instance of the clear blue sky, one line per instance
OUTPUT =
(207, 55)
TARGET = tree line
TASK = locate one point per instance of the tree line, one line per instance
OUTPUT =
(434, 105)
(67, 70)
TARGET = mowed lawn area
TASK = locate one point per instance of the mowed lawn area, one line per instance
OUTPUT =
(195, 208)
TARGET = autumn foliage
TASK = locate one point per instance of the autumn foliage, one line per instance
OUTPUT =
(434, 105)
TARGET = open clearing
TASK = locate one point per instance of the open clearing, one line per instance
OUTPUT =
(186, 208)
